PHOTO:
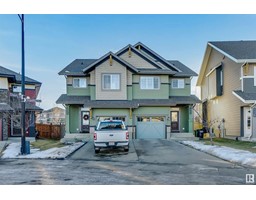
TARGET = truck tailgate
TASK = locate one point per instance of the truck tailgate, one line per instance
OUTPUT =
(111, 136)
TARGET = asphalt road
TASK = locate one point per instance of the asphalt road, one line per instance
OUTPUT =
(148, 162)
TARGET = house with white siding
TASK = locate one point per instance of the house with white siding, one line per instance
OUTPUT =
(227, 81)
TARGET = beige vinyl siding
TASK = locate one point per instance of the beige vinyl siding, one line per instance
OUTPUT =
(116, 68)
(129, 77)
(3, 83)
(212, 85)
(69, 80)
(136, 61)
(227, 106)
(92, 77)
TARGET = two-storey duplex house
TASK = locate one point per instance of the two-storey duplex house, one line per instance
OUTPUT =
(10, 106)
(228, 88)
(149, 93)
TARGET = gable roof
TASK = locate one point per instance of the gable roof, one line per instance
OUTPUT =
(76, 67)
(238, 51)
(80, 67)
(155, 55)
(104, 58)
(139, 53)
(4, 72)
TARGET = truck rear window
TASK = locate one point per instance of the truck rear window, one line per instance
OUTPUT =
(111, 125)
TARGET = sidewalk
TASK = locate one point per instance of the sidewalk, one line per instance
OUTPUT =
(241, 157)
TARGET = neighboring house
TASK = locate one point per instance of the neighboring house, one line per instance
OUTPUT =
(10, 104)
(228, 88)
(149, 93)
(54, 115)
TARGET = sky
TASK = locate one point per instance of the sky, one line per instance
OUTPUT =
(52, 41)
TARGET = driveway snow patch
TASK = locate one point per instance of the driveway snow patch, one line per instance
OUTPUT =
(226, 153)
(13, 151)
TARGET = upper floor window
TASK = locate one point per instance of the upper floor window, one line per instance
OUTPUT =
(178, 83)
(149, 83)
(111, 82)
(79, 82)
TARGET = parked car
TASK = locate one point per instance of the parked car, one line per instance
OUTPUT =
(111, 134)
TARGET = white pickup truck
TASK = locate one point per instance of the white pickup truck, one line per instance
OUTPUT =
(111, 134)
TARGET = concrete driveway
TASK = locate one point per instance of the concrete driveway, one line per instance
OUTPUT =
(152, 151)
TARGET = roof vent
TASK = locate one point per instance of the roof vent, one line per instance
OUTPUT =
(82, 63)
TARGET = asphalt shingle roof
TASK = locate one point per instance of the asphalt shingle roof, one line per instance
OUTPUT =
(246, 96)
(76, 67)
(7, 72)
(237, 49)
(185, 71)
(65, 99)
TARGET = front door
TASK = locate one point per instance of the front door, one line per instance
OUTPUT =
(175, 124)
(247, 122)
(85, 122)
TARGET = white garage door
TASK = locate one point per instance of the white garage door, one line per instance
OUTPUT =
(150, 128)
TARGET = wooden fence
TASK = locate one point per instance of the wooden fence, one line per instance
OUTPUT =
(51, 131)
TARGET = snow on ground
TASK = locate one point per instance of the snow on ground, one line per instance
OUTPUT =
(226, 153)
(13, 151)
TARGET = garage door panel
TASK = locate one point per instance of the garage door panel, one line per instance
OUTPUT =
(150, 130)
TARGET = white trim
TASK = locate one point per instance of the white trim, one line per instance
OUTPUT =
(244, 101)
(246, 77)
(212, 70)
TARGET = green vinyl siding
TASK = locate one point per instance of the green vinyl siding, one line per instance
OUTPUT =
(74, 114)
(102, 112)
(129, 93)
(181, 92)
(162, 93)
(184, 119)
(78, 91)
(67, 120)
(152, 111)
(92, 92)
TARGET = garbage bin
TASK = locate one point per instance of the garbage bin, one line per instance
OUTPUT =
(27, 144)
(201, 133)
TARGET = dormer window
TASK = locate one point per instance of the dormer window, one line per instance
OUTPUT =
(79, 82)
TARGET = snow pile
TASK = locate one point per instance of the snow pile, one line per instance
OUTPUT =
(226, 153)
(13, 151)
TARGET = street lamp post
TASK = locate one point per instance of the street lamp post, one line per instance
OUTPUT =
(23, 127)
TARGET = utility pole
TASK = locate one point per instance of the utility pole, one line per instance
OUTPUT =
(23, 99)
